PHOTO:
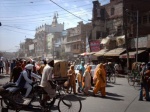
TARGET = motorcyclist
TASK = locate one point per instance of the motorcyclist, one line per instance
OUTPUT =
(25, 79)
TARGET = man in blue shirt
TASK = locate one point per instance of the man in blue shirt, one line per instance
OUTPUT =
(82, 67)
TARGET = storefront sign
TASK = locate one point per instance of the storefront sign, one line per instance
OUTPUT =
(94, 45)
(142, 42)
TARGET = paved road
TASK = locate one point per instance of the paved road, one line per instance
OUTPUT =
(120, 98)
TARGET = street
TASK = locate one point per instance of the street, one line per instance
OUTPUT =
(120, 98)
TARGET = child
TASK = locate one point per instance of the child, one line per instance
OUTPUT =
(79, 78)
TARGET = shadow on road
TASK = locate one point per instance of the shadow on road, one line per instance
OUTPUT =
(2, 76)
(117, 84)
(112, 98)
(113, 94)
(108, 85)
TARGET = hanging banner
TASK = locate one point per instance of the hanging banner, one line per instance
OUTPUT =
(94, 45)
(87, 45)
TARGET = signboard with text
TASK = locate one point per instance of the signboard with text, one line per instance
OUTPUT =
(94, 45)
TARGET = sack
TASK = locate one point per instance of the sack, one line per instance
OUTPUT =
(66, 84)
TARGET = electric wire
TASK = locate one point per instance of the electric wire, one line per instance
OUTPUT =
(45, 13)
(17, 31)
(68, 11)
(17, 27)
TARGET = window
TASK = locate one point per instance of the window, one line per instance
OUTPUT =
(98, 34)
(139, 20)
(119, 30)
(145, 19)
(74, 46)
(112, 11)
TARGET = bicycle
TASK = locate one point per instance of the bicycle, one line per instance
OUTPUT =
(111, 77)
(133, 78)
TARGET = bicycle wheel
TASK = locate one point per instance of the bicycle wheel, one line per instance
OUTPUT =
(131, 80)
(69, 103)
(137, 84)
(113, 78)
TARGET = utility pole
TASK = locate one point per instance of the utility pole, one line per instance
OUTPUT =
(125, 32)
(137, 22)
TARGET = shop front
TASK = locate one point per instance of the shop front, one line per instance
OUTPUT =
(143, 56)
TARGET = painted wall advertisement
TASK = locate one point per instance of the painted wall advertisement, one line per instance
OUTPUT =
(94, 45)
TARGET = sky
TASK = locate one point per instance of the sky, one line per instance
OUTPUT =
(20, 18)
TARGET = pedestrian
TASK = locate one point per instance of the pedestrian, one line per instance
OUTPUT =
(101, 80)
(47, 82)
(7, 65)
(12, 65)
(23, 64)
(1, 67)
(116, 67)
(16, 72)
(42, 65)
(34, 66)
(79, 78)
(95, 76)
(144, 84)
(82, 67)
(87, 80)
(72, 78)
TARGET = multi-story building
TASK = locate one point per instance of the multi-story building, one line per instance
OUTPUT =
(41, 48)
(126, 19)
(107, 20)
(28, 42)
(76, 40)
(54, 44)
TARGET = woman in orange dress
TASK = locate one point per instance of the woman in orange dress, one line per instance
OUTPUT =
(100, 80)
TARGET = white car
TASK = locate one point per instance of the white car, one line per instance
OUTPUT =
(92, 70)
(77, 67)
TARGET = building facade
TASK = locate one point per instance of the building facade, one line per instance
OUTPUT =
(42, 39)
(76, 40)
(107, 20)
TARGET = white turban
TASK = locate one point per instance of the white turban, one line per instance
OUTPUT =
(29, 66)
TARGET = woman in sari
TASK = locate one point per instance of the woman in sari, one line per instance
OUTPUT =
(100, 80)
(87, 80)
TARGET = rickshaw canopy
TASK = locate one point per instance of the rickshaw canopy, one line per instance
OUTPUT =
(60, 68)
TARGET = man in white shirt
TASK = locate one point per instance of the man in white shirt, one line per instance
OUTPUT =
(46, 81)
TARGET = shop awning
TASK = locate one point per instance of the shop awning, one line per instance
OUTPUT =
(115, 52)
(105, 40)
(87, 53)
(131, 54)
(101, 52)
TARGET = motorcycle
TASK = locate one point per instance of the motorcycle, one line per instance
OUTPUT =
(13, 97)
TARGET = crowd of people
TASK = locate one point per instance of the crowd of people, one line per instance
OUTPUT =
(84, 78)
(43, 70)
